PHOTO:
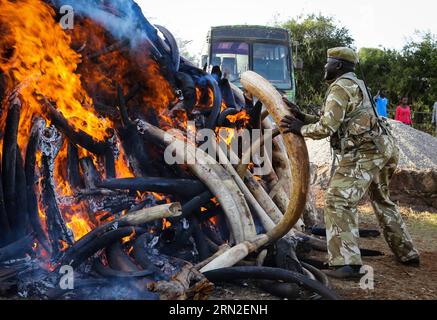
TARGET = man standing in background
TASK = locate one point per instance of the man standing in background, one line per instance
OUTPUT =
(381, 104)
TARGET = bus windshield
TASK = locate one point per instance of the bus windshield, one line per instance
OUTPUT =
(272, 62)
(232, 57)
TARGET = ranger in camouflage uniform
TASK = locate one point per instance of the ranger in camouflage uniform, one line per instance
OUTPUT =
(368, 159)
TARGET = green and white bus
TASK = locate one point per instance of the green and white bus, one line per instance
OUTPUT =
(265, 50)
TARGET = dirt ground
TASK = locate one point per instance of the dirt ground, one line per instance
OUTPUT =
(392, 281)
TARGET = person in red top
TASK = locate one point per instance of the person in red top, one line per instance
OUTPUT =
(403, 113)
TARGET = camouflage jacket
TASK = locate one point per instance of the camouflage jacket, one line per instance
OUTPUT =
(347, 116)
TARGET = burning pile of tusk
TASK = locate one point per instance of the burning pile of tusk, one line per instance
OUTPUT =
(88, 119)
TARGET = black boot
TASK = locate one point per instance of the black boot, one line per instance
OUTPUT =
(412, 262)
(345, 272)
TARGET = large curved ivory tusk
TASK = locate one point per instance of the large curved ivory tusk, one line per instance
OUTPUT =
(212, 174)
(296, 150)
(298, 155)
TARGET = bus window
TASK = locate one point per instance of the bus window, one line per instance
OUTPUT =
(232, 57)
(271, 61)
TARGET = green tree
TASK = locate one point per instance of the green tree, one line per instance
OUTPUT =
(314, 34)
(419, 67)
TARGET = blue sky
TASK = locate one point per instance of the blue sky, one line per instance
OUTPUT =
(373, 23)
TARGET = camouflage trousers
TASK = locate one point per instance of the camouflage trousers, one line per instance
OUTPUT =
(359, 172)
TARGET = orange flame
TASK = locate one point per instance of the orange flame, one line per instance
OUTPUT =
(79, 225)
(166, 224)
(241, 118)
(43, 62)
(129, 237)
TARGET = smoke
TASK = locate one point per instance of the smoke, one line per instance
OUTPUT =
(127, 23)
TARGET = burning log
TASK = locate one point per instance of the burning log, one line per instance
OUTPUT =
(87, 244)
(91, 176)
(9, 165)
(31, 180)
(17, 248)
(182, 187)
(5, 230)
(73, 174)
(58, 232)
(75, 136)
(21, 196)
(195, 203)
(132, 142)
(117, 204)
(110, 159)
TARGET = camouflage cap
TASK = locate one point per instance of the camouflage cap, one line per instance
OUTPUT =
(343, 53)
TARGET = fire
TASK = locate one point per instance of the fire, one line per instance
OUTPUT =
(64, 245)
(214, 220)
(42, 62)
(241, 118)
(230, 135)
(158, 196)
(122, 168)
(205, 98)
(166, 224)
(129, 237)
(38, 58)
(79, 225)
